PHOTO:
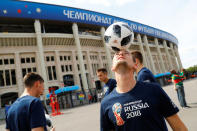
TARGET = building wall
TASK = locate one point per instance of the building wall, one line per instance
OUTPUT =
(19, 55)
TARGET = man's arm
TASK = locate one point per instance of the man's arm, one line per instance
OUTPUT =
(175, 123)
(41, 129)
(38, 129)
(7, 130)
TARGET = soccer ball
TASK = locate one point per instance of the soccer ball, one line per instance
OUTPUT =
(48, 122)
(118, 36)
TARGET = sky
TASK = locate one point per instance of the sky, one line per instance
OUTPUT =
(178, 17)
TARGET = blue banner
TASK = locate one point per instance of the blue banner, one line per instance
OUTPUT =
(162, 74)
(31, 10)
(65, 89)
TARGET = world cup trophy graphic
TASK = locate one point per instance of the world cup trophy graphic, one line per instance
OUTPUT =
(116, 108)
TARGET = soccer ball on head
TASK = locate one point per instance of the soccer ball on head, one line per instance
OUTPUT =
(118, 36)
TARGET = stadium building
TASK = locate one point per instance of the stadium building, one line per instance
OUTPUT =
(65, 45)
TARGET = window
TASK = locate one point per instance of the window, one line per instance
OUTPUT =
(1, 78)
(69, 58)
(13, 74)
(84, 57)
(52, 58)
(34, 69)
(61, 58)
(78, 67)
(1, 62)
(11, 61)
(33, 60)
(85, 66)
(65, 57)
(28, 70)
(54, 73)
(66, 68)
(50, 73)
(62, 66)
(28, 60)
(6, 61)
(76, 57)
(22, 60)
(70, 67)
(24, 72)
(7, 77)
(47, 58)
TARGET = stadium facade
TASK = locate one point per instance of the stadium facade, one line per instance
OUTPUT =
(65, 45)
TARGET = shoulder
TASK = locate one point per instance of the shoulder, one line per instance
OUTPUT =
(112, 80)
(34, 101)
(108, 99)
(149, 85)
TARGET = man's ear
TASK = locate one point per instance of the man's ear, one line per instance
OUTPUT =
(37, 84)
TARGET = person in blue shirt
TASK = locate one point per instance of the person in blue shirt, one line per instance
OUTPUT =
(110, 84)
(27, 112)
(136, 106)
(143, 73)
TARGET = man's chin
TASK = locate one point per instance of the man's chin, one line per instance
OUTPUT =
(120, 64)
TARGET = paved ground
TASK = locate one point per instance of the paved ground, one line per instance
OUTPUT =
(86, 118)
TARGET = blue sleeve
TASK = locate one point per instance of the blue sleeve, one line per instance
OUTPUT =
(7, 126)
(143, 77)
(105, 123)
(37, 116)
(167, 106)
(146, 76)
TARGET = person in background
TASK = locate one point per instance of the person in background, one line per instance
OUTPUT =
(182, 73)
(27, 112)
(110, 84)
(143, 73)
(178, 86)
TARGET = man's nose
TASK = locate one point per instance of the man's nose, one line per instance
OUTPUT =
(121, 53)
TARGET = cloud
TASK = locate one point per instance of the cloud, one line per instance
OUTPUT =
(123, 2)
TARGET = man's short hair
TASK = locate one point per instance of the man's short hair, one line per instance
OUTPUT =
(137, 55)
(31, 78)
(173, 72)
(102, 70)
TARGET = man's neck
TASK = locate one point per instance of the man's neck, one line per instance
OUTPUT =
(125, 81)
(106, 80)
(139, 68)
(28, 92)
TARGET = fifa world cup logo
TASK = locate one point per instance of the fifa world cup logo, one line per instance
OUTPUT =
(116, 108)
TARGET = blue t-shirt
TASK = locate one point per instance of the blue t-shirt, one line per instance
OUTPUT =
(109, 86)
(145, 75)
(141, 109)
(25, 113)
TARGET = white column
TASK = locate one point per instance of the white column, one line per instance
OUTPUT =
(80, 56)
(142, 50)
(58, 66)
(100, 60)
(89, 64)
(37, 27)
(19, 76)
(168, 55)
(38, 63)
(90, 70)
(178, 57)
(75, 69)
(160, 56)
(109, 59)
(149, 53)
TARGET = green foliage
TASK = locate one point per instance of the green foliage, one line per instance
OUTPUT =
(192, 69)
